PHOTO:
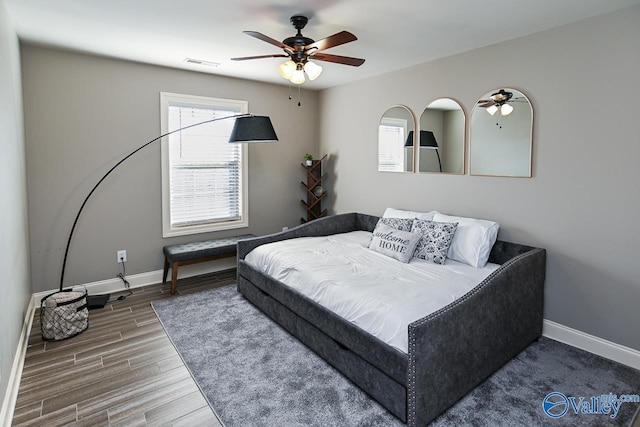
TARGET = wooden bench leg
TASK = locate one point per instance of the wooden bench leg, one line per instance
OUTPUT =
(166, 270)
(174, 277)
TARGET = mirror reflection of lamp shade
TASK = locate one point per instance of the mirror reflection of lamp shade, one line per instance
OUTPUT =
(506, 109)
(442, 132)
(427, 140)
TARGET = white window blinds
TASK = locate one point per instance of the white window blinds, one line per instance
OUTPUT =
(391, 139)
(205, 169)
(205, 189)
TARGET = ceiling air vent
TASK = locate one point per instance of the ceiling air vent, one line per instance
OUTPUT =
(201, 62)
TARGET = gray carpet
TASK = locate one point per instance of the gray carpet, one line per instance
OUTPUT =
(253, 373)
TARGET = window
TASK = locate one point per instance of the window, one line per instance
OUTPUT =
(391, 138)
(204, 178)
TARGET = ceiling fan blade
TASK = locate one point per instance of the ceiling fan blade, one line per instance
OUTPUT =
(346, 60)
(267, 39)
(244, 58)
(335, 40)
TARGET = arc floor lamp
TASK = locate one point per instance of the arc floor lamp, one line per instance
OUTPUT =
(247, 128)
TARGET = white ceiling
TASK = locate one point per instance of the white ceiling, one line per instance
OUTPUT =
(391, 34)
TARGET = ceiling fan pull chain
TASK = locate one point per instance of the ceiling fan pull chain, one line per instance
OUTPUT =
(299, 103)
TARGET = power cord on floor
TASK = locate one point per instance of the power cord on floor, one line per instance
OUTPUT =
(122, 276)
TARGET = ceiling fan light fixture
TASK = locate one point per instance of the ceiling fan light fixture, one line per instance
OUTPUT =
(298, 75)
(300, 49)
(506, 109)
(313, 70)
(492, 110)
(286, 69)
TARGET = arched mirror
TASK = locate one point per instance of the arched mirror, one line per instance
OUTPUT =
(441, 139)
(395, 140)
(501, 130)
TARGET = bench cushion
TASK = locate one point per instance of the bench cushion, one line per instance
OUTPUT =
(187, 251)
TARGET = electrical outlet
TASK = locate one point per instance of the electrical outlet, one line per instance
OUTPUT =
(122, 256)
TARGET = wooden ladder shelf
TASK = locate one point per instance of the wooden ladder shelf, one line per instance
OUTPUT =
(314, 190)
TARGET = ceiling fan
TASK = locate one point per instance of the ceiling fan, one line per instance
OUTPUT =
(498, 100)
(300, 49)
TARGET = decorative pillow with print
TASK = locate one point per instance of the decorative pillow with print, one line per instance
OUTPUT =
(394, 243)
(402, 224)
(435, 241)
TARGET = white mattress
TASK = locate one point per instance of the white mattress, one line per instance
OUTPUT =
(379, 294)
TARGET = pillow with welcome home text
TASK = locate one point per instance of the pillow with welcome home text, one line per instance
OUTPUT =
(394, 243)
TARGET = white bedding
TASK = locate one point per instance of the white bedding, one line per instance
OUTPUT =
(379, 294)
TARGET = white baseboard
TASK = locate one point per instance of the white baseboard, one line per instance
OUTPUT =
(11, 395)
(144, 279)
(607, 349)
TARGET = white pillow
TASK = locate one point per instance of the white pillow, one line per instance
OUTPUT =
(398, 213)
(394, 243)
(473, 240)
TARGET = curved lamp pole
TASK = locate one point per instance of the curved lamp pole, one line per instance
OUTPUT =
(247, 128)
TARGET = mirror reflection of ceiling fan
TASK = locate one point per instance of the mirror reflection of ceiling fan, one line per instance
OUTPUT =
(500, 100)
(300, 49)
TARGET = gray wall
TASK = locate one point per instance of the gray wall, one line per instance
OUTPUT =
(14, 244)
(583, 200)
(83, 113)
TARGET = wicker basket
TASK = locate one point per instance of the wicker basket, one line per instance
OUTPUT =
(63, 315)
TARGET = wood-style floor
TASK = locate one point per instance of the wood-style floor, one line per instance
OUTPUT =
(121, 371)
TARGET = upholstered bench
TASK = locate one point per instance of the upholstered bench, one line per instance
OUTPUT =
(192, 253)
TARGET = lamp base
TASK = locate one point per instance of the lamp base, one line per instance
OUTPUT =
(97, 301)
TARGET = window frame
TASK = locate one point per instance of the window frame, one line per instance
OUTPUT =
(238, 107)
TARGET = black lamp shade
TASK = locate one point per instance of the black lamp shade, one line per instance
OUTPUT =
(253, 129)
(427, 140)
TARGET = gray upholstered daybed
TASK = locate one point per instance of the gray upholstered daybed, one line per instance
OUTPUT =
(450, 351)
